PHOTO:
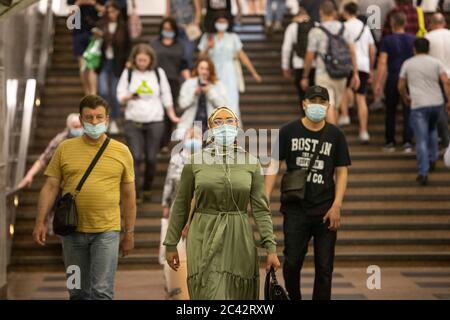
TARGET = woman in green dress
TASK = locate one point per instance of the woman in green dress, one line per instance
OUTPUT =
(223, 179)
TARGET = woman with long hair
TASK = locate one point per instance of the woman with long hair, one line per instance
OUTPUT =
(199, 96)
(115, 51)
(225, 50)
(146, 92)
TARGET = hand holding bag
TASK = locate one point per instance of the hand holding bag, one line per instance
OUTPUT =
(293, 183)
(273, 290)
(65, 221)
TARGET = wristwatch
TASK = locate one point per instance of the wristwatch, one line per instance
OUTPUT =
(128, 231)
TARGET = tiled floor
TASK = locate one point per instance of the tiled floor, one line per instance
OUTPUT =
(348, 283)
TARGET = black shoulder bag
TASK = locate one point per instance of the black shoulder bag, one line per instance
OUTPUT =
(273, 290)
(65, 221)
(293, 183)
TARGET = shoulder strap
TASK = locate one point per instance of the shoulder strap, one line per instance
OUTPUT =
(361, 33)
(341, 32)
(326, 31)
(92, 165)
(316, 153)
(158, 76)
(130, 73)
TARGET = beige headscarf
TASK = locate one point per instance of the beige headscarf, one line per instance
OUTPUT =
(214, 116)
(216, 112)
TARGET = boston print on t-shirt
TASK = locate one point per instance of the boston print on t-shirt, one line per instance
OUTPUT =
(307, 147)
(297, 145)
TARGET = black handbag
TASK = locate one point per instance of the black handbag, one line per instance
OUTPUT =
(293, 183)
(273, 290)
(65, 220)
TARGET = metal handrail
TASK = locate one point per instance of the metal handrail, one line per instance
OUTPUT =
(46, 47)
(35, 80)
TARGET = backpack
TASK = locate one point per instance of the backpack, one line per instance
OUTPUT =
(303, 29)
(158, 77)
(338, 60)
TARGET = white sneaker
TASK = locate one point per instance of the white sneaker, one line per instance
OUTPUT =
(364, 137)
(344, 121)
(113, 128)
(407, 148)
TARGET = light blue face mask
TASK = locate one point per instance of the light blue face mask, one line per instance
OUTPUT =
(94, 131)
(225, 135)
(192, 145)
(76, 132)
(316, 112)
(221, 26)
(168, 34)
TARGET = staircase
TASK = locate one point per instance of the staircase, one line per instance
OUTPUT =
(386, 220)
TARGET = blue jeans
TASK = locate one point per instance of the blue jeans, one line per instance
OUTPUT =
(281, 6)
(189, 48)
(96, 255)
(107, 87)
(424, 123)
(298, 229)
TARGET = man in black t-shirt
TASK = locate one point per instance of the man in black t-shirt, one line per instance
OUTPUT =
(318, 214)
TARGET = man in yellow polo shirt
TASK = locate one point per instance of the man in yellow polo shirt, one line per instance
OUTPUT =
(94, 248)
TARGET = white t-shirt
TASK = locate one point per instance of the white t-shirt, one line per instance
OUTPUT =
(109, 52)
(149, 106)
(354, 27)
(440, 46)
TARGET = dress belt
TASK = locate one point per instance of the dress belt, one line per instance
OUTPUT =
(218, 212)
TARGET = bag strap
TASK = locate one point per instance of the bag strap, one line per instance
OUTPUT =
(91, 166)
(273, 277)
(326, 31)
(341, 32)
(361, 33)
(316, 153)
(130, 74)
(158, 78)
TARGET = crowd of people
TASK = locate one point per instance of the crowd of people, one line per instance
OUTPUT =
(184, 85)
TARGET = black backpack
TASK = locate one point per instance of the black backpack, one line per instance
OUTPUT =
(338, 60)
(303, 29)
(130, 74)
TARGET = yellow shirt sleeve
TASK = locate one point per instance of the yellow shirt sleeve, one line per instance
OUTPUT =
(54, 167)
(128, 172)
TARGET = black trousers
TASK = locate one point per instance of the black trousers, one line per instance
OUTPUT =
(144, 140)
(392, 99)
(299, 228)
